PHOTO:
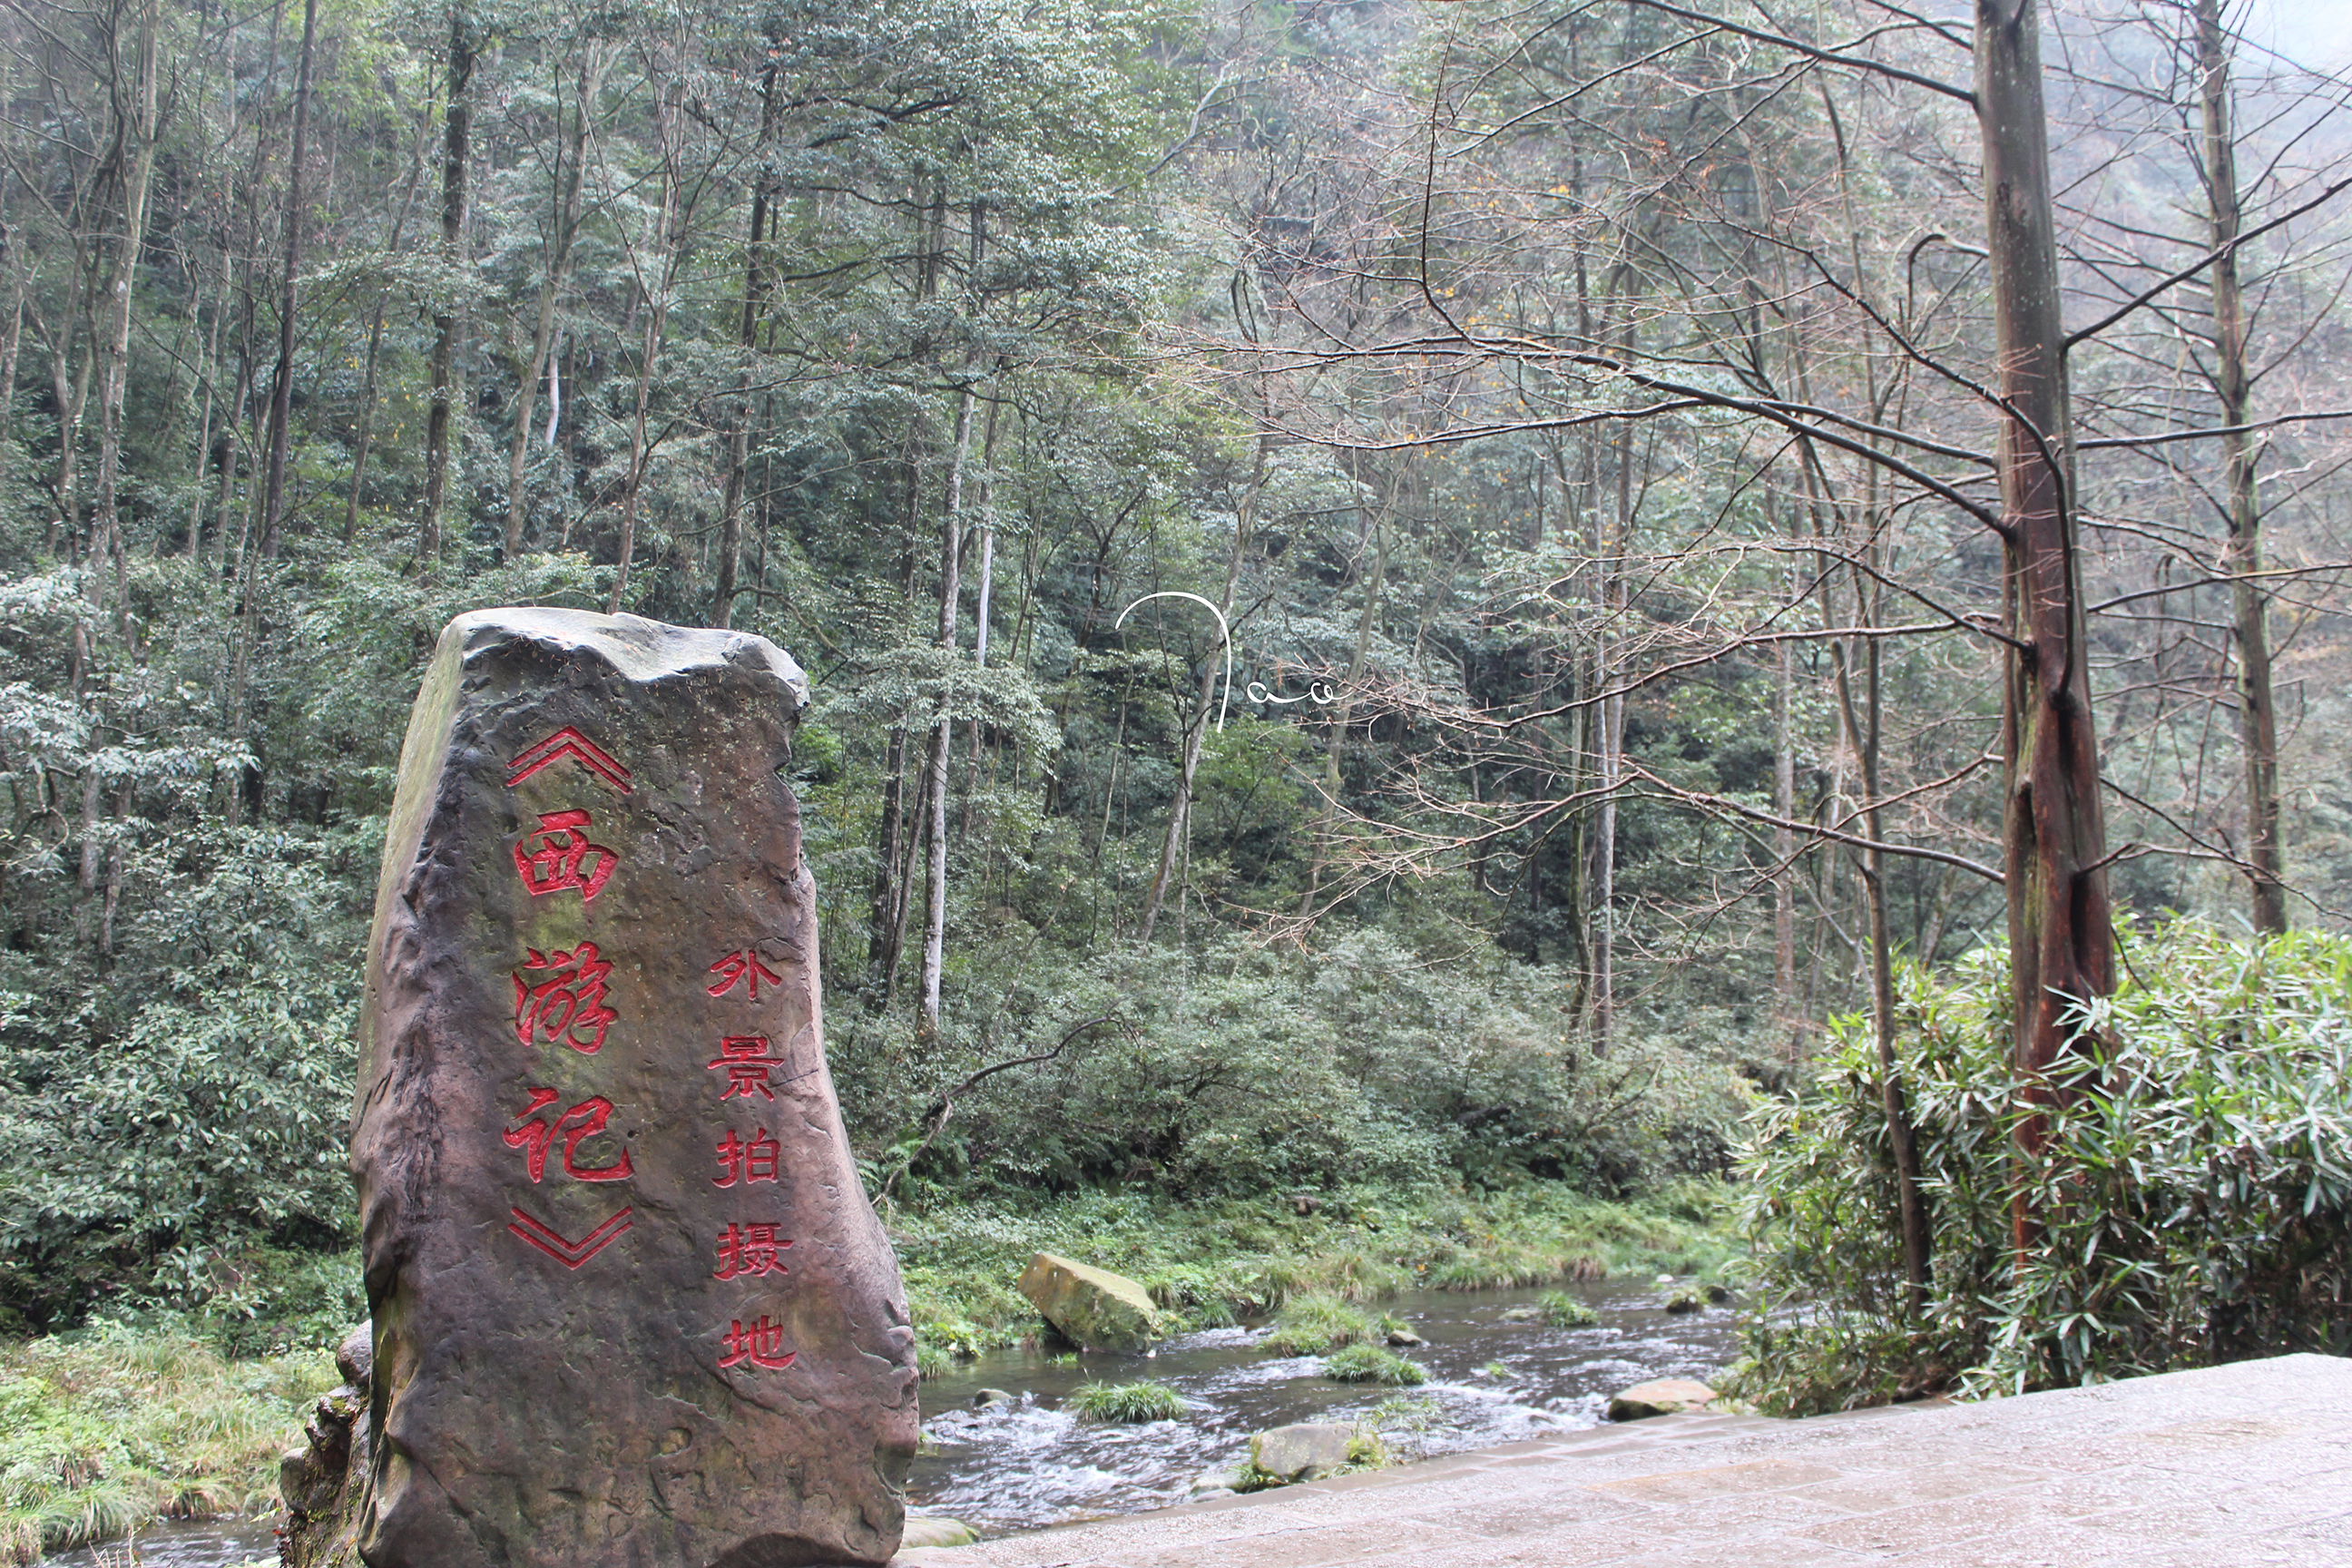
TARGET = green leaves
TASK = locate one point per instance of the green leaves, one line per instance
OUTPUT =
(2195, 1199)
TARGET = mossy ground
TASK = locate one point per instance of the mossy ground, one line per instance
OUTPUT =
(102, 1431)
(1212, 1263)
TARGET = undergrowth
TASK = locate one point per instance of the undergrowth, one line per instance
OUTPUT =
(1214, 1263)
(104, 1431)
(2194, 1199)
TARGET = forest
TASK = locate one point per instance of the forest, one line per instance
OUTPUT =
(1471, 599)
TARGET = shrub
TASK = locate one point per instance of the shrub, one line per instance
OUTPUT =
(1371, 1364)
(2195, 1197)
(1128, 1401)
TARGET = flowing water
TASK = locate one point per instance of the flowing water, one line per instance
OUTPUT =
(1495, 1376)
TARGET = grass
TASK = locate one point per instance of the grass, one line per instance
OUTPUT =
(1126, 1402)
(105, 1431)
(1562, 1311)
(1371, 1364)
(1208, 1264)
(1318, 1324)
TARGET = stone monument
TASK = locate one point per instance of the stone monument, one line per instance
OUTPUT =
(631, 1309)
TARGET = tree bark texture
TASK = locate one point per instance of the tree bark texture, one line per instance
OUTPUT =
(2060, 932)
(456, 156)
(2265, 854)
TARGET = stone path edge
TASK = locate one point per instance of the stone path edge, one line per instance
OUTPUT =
(2245, 1464)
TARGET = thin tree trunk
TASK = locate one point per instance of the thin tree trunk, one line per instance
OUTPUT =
(983, 597)
(375, 334)
(2265, 852)
(756, 284)
(281, 386)
(665, 256)
(1863, 730)
(935, 774)
(2061, 930)
(570, 161)
(140, 136)
(1180, 815)
(9, 346)
(894, 839)
(1784, 850)
(456, 159)
(1335, 737)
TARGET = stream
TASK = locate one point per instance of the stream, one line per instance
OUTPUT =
(1023, 1462)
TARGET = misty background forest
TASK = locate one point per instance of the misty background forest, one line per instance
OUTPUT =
(1597, 423)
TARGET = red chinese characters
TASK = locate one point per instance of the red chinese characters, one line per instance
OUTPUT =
(535, 1130)
(739, 966)
(751, 1249)
(748, 1064)
(556, 851)
(761, 1345)
(561, 996)
(747, 1163)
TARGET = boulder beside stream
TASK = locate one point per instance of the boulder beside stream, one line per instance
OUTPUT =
(1301, 1452)
(1660, 1396)
(1090, 1307)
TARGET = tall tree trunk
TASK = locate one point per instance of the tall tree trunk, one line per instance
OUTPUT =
(756, 284)
(935, 772)
(139, 137)
(2061, 928)
(660, 275)
(2243, 562)
(570, 159)
(281, 388)
(375, 333)
(457, 161)
(1336, 736)
(887, 940)
(1863, 731)
(983, 599)
(1784, 850)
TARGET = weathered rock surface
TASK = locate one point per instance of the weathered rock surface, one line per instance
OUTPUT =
(1091, 1307)
(323, 1479)
(937, 1530)
(631, 1309)
(1302, 1451)
(1221, 1480)
(1660, 1396)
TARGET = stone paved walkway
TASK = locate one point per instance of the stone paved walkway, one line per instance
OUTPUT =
(2227, 1468)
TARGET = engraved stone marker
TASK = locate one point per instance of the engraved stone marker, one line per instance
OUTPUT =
(632, 1308)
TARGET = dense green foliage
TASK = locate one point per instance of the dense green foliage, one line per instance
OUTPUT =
(2197, 1191)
